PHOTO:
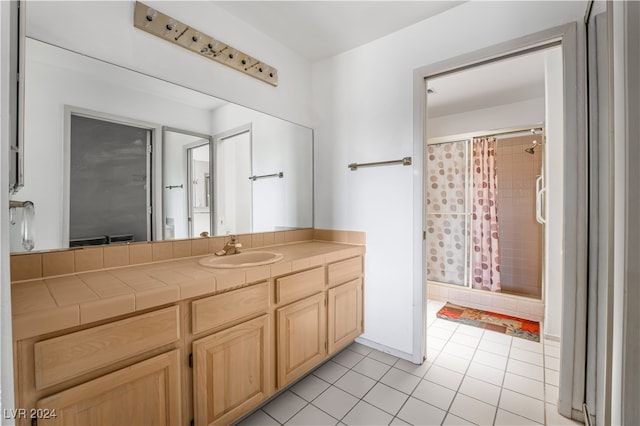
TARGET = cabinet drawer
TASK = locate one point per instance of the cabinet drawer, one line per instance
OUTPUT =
(344, 270)
(297, 286)
(146, 393)
(65, 357)
(215, 311)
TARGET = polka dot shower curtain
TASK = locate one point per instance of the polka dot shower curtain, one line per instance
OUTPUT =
(447, 212)
(485, 253)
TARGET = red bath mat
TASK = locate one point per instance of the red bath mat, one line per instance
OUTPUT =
(506, 324)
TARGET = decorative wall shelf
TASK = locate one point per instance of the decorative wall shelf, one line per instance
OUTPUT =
(150, 20)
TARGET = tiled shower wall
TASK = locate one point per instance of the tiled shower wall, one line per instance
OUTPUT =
(520, 234)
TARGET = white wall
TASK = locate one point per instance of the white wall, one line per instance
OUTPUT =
(362, 104)
(504, 116)
(104, 29)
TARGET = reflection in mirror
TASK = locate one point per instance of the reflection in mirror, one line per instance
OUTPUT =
(199, 189)
(186, 187)
(109, 178)
(232, 152)
(58, 80)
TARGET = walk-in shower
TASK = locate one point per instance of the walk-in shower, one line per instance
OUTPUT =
(483, 205)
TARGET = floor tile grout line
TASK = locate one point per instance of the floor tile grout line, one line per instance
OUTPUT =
(334, 386)
(522, 415)
(460, 384)
(508, 357)
(377, 381)
(351, 369)
(360, 399)
(504, 377)
(464, 375)
(439, 353)
(411, 396)
(296, 413)
(274, 419)
(423, 378)
(290, 389)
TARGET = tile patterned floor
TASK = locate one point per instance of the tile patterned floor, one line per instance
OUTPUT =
(471, 376)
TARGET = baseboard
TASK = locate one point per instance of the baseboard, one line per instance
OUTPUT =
(382, 348)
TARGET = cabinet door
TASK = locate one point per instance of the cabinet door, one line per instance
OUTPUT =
(146, 393)
(231, 372)
(301, 337)
(345, 314)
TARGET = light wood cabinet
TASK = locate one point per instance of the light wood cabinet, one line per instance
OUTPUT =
(146, 393)
(231, 372)
(344, 270)
(223, 309)
(344, 314)
(202, 361)
(294, 287)
(301, 337)
(65, 357)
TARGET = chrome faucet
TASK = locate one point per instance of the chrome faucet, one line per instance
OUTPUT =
(231, 247)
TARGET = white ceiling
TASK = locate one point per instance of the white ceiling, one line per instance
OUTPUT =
(321, 29)
(509, 81)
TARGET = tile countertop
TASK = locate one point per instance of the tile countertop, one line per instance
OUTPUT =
(54, 303)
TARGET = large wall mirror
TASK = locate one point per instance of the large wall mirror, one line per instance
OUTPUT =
(112, 155)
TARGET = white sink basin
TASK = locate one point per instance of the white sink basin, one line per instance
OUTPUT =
(241, 260)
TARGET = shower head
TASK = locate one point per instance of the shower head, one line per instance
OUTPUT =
(532, 148)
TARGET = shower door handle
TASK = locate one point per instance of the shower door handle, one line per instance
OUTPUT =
(539, 194)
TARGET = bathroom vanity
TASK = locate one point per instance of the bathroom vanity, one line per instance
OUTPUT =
(175, 342)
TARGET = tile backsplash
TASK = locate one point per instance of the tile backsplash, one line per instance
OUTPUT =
(30, 266)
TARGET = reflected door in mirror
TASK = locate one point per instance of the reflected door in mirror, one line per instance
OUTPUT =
(233, 187)
(199, 190)
(186, 184)
(109, 187)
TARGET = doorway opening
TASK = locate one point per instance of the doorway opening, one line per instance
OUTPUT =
(486, 189)
(564, 246)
